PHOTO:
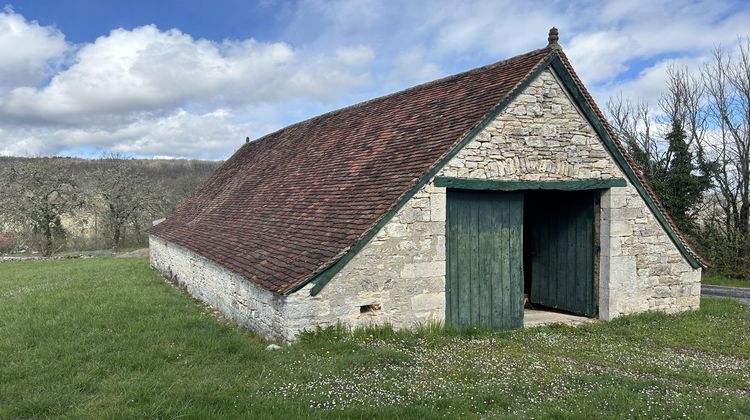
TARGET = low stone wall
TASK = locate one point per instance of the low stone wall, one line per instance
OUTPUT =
(234, 296)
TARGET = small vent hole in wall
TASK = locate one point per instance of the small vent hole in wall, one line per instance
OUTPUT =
(371, 310)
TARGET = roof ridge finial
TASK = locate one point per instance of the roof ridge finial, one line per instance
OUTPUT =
(552, 38)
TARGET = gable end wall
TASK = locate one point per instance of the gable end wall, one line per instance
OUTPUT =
(540, 136)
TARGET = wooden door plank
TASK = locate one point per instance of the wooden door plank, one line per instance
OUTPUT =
(571, 225)
(515, 224)
(476, 281)
(505, 265)
(464, 258)
(582, 260)
(590, 260)
(496, 271)
(485, 250)
(450, 261)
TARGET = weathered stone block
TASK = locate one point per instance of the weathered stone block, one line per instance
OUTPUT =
(620, 227)
(428, 301)
(423, 269)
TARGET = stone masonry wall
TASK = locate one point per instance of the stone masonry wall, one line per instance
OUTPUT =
(235, 297)
(541, 135)
(402, 269)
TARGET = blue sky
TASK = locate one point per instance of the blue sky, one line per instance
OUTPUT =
(193, 79)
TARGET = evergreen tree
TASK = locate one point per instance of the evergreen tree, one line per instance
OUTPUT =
(681, 178)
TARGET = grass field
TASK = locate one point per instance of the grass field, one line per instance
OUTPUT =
(107, 338)
(724, 281)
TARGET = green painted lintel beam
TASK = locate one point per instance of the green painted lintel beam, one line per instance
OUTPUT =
(568, 185)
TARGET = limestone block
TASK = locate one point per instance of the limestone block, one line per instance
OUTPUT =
(620, 228)
(395, 230)
(439, 244)
(427, 301)
(579, 140)
(623, 271)
(526, 97)
(423, 269)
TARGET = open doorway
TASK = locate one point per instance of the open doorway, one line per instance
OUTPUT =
(501, 245)
(560, 251)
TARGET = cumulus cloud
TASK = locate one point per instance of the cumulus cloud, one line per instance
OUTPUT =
(412, 65)
(148, 69)
(147, 91)
(29, 52)
(648, 85)
(628, 33)
(177, 134)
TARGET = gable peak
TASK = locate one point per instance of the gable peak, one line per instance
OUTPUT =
(553, 37)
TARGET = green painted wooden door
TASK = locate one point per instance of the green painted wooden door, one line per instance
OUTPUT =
(484, 257)
(562, 250)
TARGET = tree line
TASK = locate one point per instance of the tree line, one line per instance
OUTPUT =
(49, 205)
(695, 153)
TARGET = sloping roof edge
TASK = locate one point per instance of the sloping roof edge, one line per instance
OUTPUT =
(594, 115)
(559, 63)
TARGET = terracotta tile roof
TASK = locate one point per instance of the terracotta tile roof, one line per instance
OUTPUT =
(289, 204)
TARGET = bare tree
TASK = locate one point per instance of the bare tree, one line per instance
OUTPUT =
(727, 82)
(124, 195)
(36, 194)
(633, 124)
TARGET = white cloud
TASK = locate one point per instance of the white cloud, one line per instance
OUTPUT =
(501, 28)
(28, 52)
(185, 134)
(628, 32)
(148, 69)
(356, 56)
(146, 91)
(648, 85)
(412, 65)
(181, 133)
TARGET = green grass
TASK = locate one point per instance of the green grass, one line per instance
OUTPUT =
(724, 281)
(107, 338)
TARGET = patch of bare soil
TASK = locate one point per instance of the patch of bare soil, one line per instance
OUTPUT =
(143, 252)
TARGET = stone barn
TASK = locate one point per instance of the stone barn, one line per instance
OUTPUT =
(462, 200)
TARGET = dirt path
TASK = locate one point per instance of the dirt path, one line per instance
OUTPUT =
(143, 252)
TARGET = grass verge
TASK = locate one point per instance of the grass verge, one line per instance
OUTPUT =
(108, 338)
(724, 281)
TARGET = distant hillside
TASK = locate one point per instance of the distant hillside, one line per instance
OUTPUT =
(73, 203)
